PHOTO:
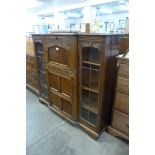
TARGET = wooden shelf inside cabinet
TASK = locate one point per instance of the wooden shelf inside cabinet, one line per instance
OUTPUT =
(92, 109)
(92, 63)
(92, 69)
(92, 88)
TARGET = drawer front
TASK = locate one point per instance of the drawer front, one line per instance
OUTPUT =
(123, 85)
(124, 70)
(120, 122)
(122, 103)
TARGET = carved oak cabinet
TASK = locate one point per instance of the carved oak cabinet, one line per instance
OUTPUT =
(79, 76)
(61, 65)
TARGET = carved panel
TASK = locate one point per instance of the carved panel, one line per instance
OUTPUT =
(59, 69)
(91, 44)
(64, 42)
(37, 39)
(62, 95)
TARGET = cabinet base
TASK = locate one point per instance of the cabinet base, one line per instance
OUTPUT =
(62, 115)
(92, 133)
(116, 133)
(32, 89)
(43, 101)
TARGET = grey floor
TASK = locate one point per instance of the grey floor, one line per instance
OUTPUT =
(48, 134)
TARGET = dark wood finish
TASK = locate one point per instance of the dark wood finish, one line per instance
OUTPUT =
(38, 44)
(124, 44)
(120, 116)
(77, 75)
(122, 103)
(120, 122)
(97, 74)
(123, 85)
(117, 133)
(61, 69)
(124, 70)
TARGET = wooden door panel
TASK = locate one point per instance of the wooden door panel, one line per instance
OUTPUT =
(58, 55)
(56, 100)
(66, 106)
(66, 86)
(54, 81)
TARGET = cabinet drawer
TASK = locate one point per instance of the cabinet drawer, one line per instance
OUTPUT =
(124, 70)
(123, 85)
(122, 103)
(120, 122)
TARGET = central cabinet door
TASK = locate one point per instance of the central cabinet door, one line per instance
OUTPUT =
(61, 64)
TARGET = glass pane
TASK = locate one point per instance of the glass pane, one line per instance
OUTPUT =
(85, 97)
(85, 77)
(88, 116)
(93, 99)
(94, 80)
(90, 77)
(91, 55)
(90, 84)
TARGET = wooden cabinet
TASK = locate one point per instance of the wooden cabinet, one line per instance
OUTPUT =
(97, 73)
(77, 76)
(120, 116)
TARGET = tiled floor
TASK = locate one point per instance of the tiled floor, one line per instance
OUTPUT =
(48, 134)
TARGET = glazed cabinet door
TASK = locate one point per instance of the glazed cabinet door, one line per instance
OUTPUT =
(61, 65)
(39, 52)
(90, 56)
